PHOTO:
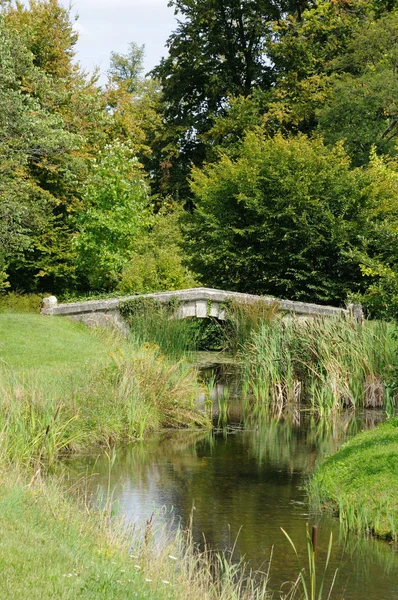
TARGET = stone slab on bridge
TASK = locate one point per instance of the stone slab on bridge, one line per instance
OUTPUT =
(196, 302)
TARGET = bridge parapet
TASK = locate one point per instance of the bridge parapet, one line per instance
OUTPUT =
(196, 302)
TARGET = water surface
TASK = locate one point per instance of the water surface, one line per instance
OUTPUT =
(245, 481)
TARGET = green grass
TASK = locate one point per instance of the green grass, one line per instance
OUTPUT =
(65, 388)
(360, 482)
(49, 550)
(32, 342)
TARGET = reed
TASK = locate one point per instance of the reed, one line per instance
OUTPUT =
(104, 391)
(311, 590)
(177, 337)
(330, 363)
(243, 319)
(154, 323)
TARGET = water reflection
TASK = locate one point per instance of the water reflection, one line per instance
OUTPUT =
(246, 482)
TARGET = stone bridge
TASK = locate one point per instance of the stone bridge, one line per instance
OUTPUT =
(197, 302)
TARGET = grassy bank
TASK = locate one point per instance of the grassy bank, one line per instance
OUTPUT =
(360, 482)
(65, 388)
(329, 363)
(49, 550)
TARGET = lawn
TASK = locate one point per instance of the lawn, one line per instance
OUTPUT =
(360, 481)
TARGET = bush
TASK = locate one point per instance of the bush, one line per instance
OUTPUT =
(20, 303)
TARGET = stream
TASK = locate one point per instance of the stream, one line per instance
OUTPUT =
(245, 481)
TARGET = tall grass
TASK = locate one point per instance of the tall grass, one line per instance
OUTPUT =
(137, 392)
(152, 322)
(172, 556)
(57, 399)
(245, 318)
(331, 363)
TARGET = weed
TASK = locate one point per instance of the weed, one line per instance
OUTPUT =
(309, 586)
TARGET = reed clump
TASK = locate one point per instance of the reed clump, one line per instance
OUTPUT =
(151, 321)
(329, 362)
(243, 318)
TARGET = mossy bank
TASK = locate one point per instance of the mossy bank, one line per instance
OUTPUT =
(360, 482)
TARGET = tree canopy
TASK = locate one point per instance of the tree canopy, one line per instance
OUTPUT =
(261, 153)
(286, 217)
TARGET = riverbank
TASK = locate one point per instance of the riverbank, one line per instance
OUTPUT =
(49, 550)
(360, 482)
(66, 388)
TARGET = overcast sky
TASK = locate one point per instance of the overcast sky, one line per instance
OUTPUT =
(110, 25)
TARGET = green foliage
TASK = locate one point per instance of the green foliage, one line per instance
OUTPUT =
(380, 299)
(117, 210)
(47, 32)
(127, 68)
(135, 106)
(280, 218)
(217, 51)
(76, 215)
(360, 482)
(20, 303)
(32, 141)
(362, 107)
(157, 262)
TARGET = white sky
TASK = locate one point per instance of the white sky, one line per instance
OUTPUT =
(107, 26)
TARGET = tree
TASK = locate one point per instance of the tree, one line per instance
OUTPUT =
(284, 218)
(134, 104)
(158, 262)
(30, 137)
(127, 68)
(47, 32)
(117, 209)
(66, 124)
(362, 107)
(218, 51)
